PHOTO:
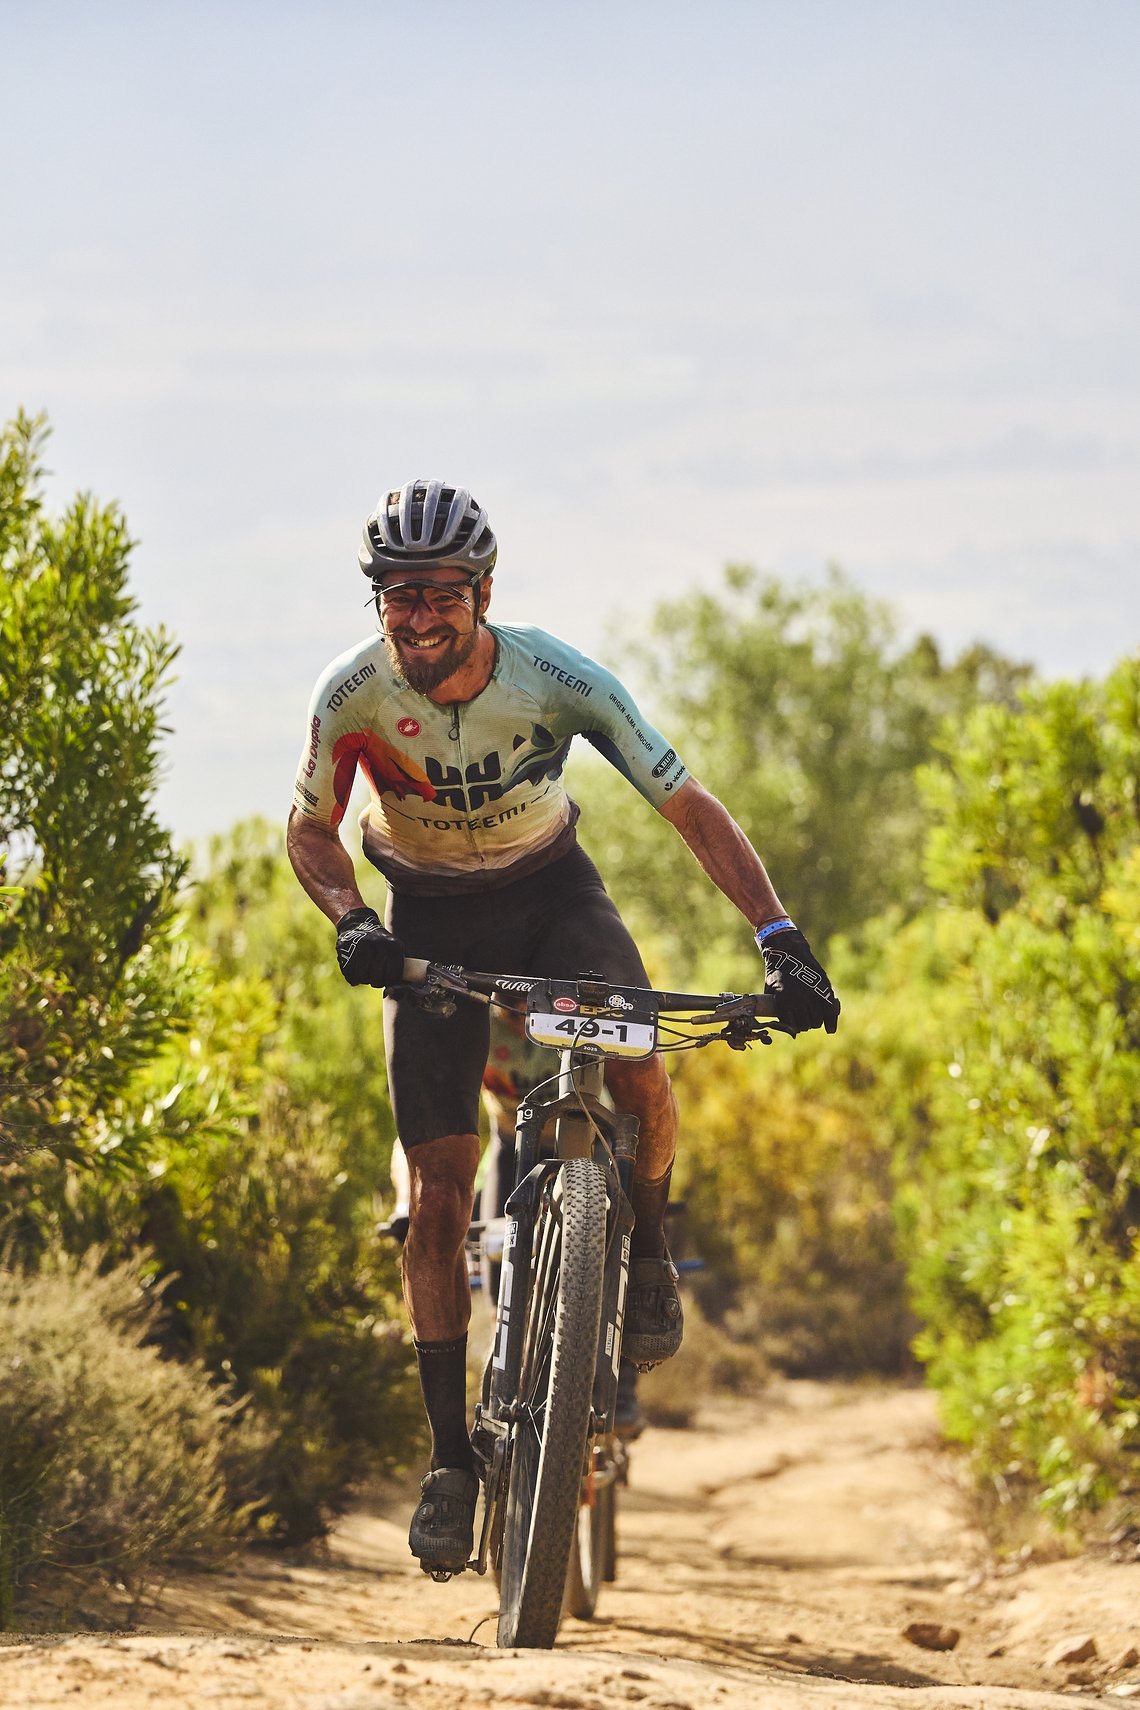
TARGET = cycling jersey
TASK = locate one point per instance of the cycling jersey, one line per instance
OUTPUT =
(470, 796)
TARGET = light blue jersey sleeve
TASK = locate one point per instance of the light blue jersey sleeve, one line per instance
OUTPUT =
(585, 699)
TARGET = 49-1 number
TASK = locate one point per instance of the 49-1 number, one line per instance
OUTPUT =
(591, 1029)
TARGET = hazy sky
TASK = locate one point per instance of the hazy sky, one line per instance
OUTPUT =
(665, 285)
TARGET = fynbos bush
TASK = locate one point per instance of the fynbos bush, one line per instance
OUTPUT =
(110, 1456)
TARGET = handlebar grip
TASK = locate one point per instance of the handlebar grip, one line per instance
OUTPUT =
(415, 970)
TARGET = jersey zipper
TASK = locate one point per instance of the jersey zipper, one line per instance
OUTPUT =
(456, 734)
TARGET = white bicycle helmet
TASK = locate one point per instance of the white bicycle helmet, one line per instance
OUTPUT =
(426, 523)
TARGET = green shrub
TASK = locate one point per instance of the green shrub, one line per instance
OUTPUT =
(283, 1285)
(111, 1457)
(271, 1227)
(797, 1161)
(90, 977)
(1025, 1214)
(187, 1075)
(260, 1199)
(279, 1281)
(249, 915)
(797, 706)
(785, 1163)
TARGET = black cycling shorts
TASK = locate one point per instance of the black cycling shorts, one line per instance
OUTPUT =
(559, 921)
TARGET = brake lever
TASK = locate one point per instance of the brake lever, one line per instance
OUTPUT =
(735, 1010)
(430, 999)
(744, 1031)
(739, 1023)
(437, 992)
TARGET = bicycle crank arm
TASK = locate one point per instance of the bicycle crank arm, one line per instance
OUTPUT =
(494, 1497)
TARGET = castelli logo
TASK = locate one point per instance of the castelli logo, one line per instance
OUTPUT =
(409, 727)
(565, 1003)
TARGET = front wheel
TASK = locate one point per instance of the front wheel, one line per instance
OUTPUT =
(556, 1384)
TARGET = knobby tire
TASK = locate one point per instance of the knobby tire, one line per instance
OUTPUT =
(564, 1308)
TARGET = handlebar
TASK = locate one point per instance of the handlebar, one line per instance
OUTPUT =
(740, 1018)
(467, 983)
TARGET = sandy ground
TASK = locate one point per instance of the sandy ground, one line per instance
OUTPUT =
(773, 1555)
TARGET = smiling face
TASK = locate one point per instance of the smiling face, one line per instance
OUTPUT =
(431, 624)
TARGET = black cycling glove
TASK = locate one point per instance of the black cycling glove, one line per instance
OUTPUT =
(792, 974)
(367, 952)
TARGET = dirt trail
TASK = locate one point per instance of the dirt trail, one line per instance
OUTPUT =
(772, 1556)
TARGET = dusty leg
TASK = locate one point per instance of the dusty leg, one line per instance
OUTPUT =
(644, 1089)
(436, 1288)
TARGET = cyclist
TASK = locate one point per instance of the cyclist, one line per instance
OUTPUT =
(461, 729)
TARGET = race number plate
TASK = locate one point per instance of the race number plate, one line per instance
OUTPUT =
(614, 1035)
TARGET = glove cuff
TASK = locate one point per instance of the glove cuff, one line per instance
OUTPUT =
(356, 917)
(772, 926)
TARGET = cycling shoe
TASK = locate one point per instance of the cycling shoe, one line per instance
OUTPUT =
(654, 1322)
(442, 1532)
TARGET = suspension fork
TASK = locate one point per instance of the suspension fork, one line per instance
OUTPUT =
(616, 1157)
(623, 1146)
(520, 1212)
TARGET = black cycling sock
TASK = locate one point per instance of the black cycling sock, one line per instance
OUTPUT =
(649, 1200)
(443, 1380)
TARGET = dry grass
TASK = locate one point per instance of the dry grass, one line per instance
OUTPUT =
(113, 1461)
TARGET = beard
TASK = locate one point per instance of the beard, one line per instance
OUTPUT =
(425, 671)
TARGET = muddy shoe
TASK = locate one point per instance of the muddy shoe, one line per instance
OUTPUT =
(654, 1323)
(442, 1533)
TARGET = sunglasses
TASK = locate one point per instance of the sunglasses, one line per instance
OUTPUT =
(403, 598)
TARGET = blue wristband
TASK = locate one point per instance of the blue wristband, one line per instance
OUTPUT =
(781, 925)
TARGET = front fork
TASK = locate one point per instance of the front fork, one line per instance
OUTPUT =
(619, 1225)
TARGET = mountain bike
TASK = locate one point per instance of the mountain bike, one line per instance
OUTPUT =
(544, 1424)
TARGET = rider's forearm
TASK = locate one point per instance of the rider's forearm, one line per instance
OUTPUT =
(723, 851)
(323, 865)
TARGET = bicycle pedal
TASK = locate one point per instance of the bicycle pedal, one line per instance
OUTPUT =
(441, 1575)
